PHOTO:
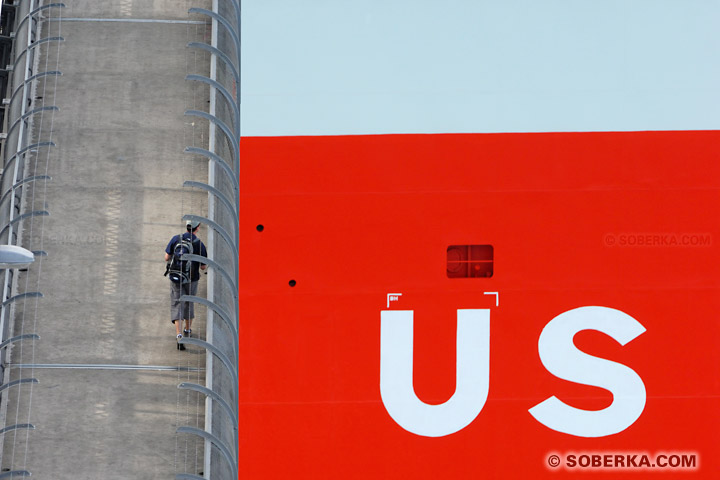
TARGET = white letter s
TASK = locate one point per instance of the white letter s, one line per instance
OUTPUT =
(561, 358)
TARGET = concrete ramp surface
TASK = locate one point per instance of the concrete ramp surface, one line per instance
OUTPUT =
(106, 405)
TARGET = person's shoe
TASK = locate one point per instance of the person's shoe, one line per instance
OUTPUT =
(187, 332)
(180, 346)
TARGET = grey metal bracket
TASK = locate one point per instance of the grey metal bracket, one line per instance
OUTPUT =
(187, 476)
(215, 441)
(18, 426)
(34, 178)
(235, 142)
(220, 54)
(221, 196)
(25, 336)
(19, 381)
(216, 266)
(220, 161)
(217, 352)
(225, 22)
(215, 227)
(215, 396)
(20, 297)
(26, 82)
(212, 118)
(214, 307)
(29, 114)
(25, 149)
(34, 213)
(35, 12)
(228, 97)
(218, 193)
(238, 19)
(15, 473)
(45, 7)
(236, 6)
(24, 181)
(33, 45)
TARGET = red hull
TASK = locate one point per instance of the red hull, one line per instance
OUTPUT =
(621, 220)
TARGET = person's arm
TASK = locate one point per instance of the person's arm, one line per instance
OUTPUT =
(203, 252)
(169, 249)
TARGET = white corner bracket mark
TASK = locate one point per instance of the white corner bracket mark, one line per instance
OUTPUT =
(393, 297)
(472, 374)
(497, 297)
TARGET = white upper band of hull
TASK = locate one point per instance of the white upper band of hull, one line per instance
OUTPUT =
(322, 67)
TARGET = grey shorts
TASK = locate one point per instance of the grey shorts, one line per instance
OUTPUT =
(182, 310)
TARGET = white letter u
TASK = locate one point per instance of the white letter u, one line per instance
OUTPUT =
(472, 374)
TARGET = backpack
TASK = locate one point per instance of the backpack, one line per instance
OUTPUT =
(178, 269)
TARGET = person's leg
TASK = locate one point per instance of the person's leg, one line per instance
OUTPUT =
(176, 313)
(190, 313)
(186, 309)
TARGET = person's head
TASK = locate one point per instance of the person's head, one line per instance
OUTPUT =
(192, 225)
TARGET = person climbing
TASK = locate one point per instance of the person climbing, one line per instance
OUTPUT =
(184, 276)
